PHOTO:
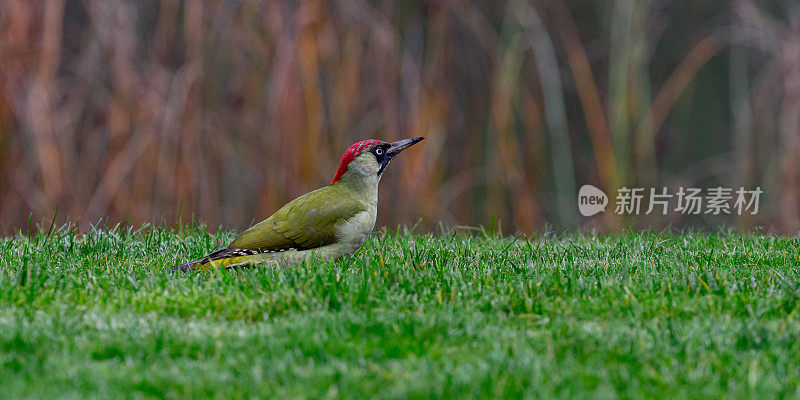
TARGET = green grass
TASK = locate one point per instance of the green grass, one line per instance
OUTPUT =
(450, 316)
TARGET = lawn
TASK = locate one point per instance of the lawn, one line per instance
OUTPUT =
(453, 315)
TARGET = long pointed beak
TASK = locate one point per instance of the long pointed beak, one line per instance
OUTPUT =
(401, 145)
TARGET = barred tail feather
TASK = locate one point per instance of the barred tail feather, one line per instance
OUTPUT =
(186, 266)
(223, 258)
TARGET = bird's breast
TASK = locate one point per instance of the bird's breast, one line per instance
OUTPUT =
(353, 232)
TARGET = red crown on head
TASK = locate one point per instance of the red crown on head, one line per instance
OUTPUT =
(351, 153)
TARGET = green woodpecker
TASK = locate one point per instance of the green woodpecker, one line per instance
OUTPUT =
(329, 222)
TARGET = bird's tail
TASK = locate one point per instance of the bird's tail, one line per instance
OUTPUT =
(189, 266)
(223, 258)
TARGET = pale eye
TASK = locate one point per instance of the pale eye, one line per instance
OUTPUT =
(379, 151)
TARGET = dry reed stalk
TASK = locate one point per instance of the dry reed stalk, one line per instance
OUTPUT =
(781, 73)
(596, 122)
(554, 111)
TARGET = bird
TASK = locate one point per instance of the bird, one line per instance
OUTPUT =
(327, 223)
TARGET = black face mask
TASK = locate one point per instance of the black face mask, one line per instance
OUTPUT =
(382, 156)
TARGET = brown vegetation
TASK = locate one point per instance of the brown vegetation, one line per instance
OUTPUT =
(226, 110)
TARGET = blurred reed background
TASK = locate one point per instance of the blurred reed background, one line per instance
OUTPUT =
(139, 110)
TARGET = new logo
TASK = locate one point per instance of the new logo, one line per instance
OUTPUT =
(591, 200)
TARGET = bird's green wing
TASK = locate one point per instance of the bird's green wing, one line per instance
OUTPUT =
(306, 222)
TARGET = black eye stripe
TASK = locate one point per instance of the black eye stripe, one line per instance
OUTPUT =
(380, 152)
